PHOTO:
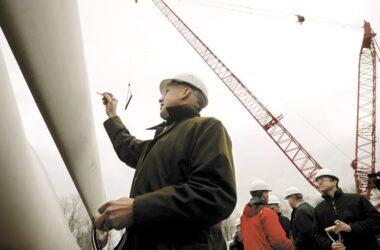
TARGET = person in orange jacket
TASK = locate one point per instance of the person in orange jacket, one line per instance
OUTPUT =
(260, 227)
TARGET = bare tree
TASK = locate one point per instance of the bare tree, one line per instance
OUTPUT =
(79, 222)
(229, 226)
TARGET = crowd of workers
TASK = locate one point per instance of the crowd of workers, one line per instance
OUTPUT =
(340, 221)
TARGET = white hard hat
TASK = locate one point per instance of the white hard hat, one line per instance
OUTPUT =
(190, 79)
(326, 172)
(273, 200)
(259, 185)
(290, 191)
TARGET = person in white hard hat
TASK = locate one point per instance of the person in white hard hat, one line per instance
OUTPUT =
(260, 226)
(184, 182)
(301, 220)
(354, 217)
(274, 204)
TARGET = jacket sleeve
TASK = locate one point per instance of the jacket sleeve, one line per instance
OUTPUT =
(207, 197)
(303, 223)
(274, 231)
(319, 234)
(126, 146)
(370, 223)
(285, 223)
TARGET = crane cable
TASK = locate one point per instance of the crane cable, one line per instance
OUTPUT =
(317, 130)
(377, 46)
(244, 9)
(250, 11)
(272, 13)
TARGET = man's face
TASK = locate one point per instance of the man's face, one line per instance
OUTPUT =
(265, 196)
(274, 207)
(292, 202)
(172, 96)
(325, 184)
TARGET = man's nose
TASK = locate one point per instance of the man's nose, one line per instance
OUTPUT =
(161, 100)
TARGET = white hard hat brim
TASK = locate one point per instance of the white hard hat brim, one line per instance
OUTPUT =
(253, 190)
(286, 197)
(164, 83)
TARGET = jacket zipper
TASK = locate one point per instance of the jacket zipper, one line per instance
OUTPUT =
(336, 213)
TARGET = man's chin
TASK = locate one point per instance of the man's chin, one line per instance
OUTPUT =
(164, 114)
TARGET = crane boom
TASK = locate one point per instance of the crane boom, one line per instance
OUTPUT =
(293, 150)
(365, 145)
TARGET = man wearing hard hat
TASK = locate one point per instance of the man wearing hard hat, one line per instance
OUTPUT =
(260, 227)
(354, 219)
(274, 204)
(301, 220)
(184, 182)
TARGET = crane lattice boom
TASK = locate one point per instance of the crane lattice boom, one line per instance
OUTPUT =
(365, 145)
(293, 150)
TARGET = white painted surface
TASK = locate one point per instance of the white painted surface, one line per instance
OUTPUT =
(30, 213)
(45, 38)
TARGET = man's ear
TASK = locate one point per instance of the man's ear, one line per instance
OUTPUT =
(186, 93)
(336, 182)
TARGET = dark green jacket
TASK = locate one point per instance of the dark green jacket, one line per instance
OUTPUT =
(184, 181)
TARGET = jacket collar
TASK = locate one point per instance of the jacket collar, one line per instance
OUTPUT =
(300, 203)
(254, 206)
(181, 112)
(337, 194)
(177, 113)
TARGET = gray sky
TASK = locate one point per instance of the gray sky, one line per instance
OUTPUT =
(306, 72)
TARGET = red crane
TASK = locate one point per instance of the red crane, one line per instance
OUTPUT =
(293, 150)
(365, 146)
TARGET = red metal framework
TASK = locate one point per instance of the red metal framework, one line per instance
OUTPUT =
(365, 146)
(293, 150)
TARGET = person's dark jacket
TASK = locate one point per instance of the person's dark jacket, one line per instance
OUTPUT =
(236, 243)
(184, 181)
(285, 223)
(353, 209)
(301, 226)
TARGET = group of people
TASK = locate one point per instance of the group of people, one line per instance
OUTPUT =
(340, 221)
(184, 186)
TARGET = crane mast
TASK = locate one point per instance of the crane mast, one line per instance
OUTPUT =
(293, 150)
(365, 145)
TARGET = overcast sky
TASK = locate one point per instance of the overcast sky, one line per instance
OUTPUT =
(306, 72)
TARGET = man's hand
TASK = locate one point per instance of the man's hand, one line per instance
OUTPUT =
(117, 214)
(111, 103)
(337, 246)
(341, 227)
